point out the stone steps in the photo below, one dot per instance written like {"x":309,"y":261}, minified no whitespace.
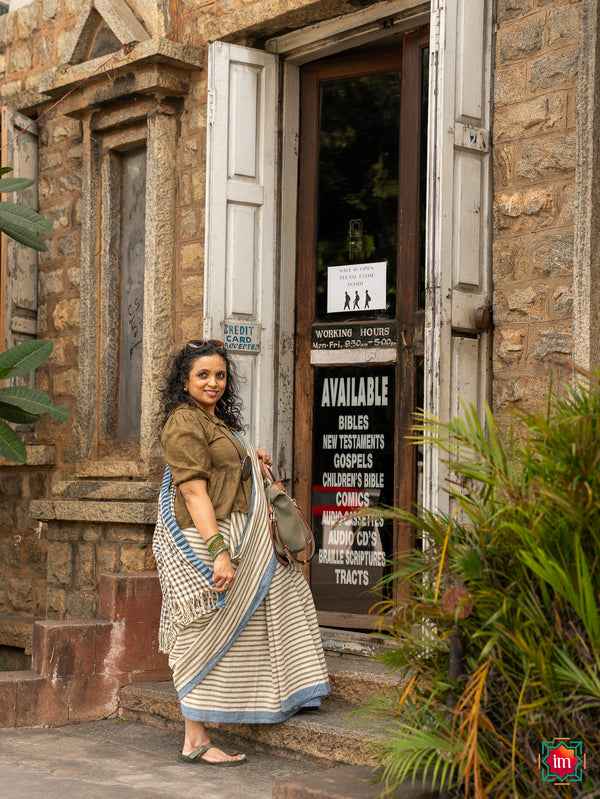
{"x":323,"y":737}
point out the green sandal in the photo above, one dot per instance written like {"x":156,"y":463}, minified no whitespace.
{"x":197,"y":756}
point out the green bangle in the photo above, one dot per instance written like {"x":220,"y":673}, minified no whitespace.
{"x":218,"y":552}
{"x":214,"y":541}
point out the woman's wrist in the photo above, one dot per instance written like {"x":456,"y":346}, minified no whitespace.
{"x":220,"y":552}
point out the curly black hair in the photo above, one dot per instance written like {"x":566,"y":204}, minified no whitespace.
{"x":173,"y":393}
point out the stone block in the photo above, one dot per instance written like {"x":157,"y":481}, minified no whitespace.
{"x":8,"y":700}
{"x":191,"y":257}
{"x":530,"y":118}
{"x":10,"y":552}
{"x":60,"y":562}
{"x":50,"y":160}
{"x":67,"y":245}
{"x":546,"y":159}
{"x":552,"y":342}
{"x":191,"y":290}
{"x":190,"y":326}
{"x":553,"y":254}
{"x":45,"y":52}
{"x":155,"y":675}
{"x":18,"y":594}
{"x":108,"y":558}
{"x":56,"y":602}
{"x":554,"y":71}
{"x":66,"y":314}
{"x":528,"y":392}
{"x":130,"y":597}
{"x":510,"y":260}
{"x":190,"y":227}
{"x":563,"y":24}
{"x":199,"y":186}
{"x":510,"y":346}
{"x":46,"y":189}
{"x":50,"y":282}
{"x":64,"y":648}
{"x":83,"y":605}
{"x":185,"y":189}
{"x":28,"y":20}
{"x":191,"y":154}
{"x":20,"y":59}
{"x":520,"y":39}
{"x":36,"y":554}
{"x":511,"y":9}
{"x":84,"y":565}
{"x":520,"y":211}
{"x":95,"y":696}
{"x":567,"y":203}
{"x":140,"y":651}
{"x":138,"y":558}
{"x":562,"y":300}
{"x":504,"y":159}
{"x":50,"y":8}
{"x":40,"y":702}
{"x":520,"y":301}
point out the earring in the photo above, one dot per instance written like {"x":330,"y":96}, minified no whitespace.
{"x":185,"y":389}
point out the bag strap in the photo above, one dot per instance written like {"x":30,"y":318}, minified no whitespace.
{"x":267,"y":474}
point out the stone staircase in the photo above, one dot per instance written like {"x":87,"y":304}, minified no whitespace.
{"x":324,"y":736}
{"x":344,"y":753}
{"x":83,"y":670}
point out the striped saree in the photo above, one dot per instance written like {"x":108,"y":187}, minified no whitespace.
{"x":253,"y":655}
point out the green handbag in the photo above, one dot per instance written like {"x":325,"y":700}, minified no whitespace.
{"x":290,"y":532}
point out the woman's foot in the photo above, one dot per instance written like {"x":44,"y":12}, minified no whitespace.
{"x":211,"y":755}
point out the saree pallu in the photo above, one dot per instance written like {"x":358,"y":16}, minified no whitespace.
{"x":254,"y":654}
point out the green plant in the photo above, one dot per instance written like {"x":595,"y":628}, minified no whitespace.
{"x":17,"y":221}
{"x":511,"y":581}
{"x":20,"y":404}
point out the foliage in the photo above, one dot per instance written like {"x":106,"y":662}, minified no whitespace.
{"x":521,"y":548}
{"x":20,"y":404}
{"x":17,"y":221}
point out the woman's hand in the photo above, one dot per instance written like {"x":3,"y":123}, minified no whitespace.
{"x":223,"y":573}
{"x":262,"y":456}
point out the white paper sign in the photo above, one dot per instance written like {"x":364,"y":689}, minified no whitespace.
{"x":356,"y":287}
{"x":242,"y":336}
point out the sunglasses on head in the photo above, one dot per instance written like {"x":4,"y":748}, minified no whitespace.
{"x":197,"y":344}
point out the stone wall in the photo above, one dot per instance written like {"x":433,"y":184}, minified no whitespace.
{"x":535,"y":152}
{"x":50,"y":564}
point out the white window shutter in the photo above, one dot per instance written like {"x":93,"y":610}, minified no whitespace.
{"x":241,"y":200}
{"x":19,"y":263}
{"x":459,"y":218}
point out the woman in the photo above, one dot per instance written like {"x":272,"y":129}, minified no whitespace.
{"x":240,"y":629}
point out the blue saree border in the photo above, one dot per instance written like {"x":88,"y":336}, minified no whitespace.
{"x":304,"y":699}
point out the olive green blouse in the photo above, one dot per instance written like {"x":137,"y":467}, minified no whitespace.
{"x":200,"y":447}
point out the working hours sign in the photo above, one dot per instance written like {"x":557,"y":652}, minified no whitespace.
{"x":353,"y":468}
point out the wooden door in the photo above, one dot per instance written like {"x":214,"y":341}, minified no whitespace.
{"x":359,"y":312}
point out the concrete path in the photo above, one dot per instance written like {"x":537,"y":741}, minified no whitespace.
{"x":115,"y":759}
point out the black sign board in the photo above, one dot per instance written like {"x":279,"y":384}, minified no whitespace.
{"x":353,"y":467}
{"x":353,"y":335}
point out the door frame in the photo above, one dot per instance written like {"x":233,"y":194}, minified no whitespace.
{"x":295,"y":49}
{"x":406,"y":57}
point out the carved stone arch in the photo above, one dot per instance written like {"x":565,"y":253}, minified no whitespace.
{"x":103,"y":24}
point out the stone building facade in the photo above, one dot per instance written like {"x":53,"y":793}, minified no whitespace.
{"x":126,"y":142}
